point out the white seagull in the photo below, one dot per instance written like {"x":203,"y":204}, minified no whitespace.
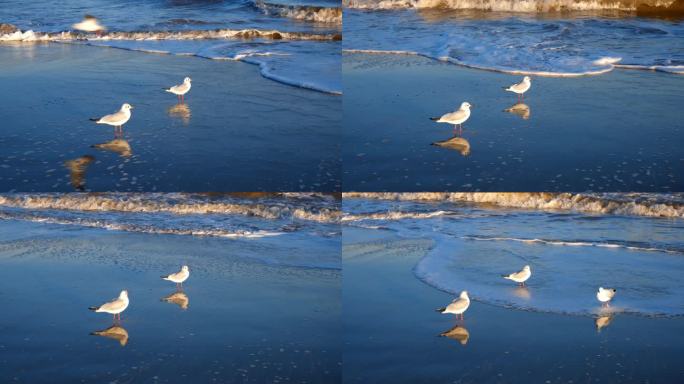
{"x":89,"y":24}
{"x":457,"y":306}
{"x":116,"y":119}
{"x":181,"y":89}
{"x":604,"y":295}
{"x":521,"y":276}
{"x":457,"y":117}
{"x":178,"y":277}
{"x":114,"y":307}
{"x":521,"y":87}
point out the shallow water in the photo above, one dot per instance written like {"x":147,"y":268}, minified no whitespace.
{"x":195,"y":27}
{"x":613,"y":132}
{"x":392,"y":331}
{"x":538,"y":44}
{"x":253,"y":310}
{"x":571,"y":254}
{"x":217,"y":140}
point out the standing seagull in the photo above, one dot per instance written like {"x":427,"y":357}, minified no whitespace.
{"x":457,"y":306}
{"x":521,"y":276}
{"x":115,"y":307}
{"x":181,"y":89}
{"x":89,"y":24}
{"x":521,"y":87}
{"x":604,"y":295}
{"x":178,"y":277}
{"x":457,"y":117}
{"x":117,"y":119}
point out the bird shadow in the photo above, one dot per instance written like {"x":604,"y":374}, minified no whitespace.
{"x":179,"y":298}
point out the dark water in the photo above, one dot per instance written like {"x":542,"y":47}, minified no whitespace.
{"x":392,"y":332}
{"x":615,"y":132}
{"x":240,"y":321}
{"x":236,"y":131}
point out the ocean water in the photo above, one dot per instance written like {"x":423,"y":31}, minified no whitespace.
{"x":261,"y":304}
{"x":539,"y":38}
{"x":293,"y":42}
{"x":573,"y":243}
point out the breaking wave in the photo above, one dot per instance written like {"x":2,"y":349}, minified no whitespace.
{"x":307,"y":209}
{"x":566,"y":243}
{"x":66,"y":36}
{"x":652,"y":205}
{"x":301,"y":12}
{"x":507,"y":5}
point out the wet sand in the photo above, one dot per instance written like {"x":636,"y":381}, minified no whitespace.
{"x":613,"y":132}
{"x":240,"y":320}
{"x":392,"y":331}
{"x":237,"y":130}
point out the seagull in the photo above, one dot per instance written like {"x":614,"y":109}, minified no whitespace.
{"x":521,"y":87}
{"x":178,"y":277}
{"x":181,"y":89}
{"x":117,"y":119}
{"x":115,"y":332}
{"x":457,"y":306}
{"x":89,"y":24}
{"x":521,"y":276}
{"x":604,"y":295}
{"x":115,"y":307}
{"x":457,"y":117}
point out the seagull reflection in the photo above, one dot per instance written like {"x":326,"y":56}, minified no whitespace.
{"x":119,"y":146}
{"x":77,"y":170}
{"x":181,"y":111}
{"x":602,"y":322}
{"x":522,"y":292}
{"x":458,"y":333}
{"x":459,"y":144}
{"x":115,"y":332}
{"x":179,"y":298}
{"x":520,"y":109}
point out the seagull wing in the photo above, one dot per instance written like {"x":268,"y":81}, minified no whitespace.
{"x":113,"y":118}
{"x":453,"y":116}
{"x":458,"y":305}
{"x":114,"y":305}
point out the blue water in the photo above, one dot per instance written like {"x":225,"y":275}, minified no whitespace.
{"x":538,"y":44}
{"x":308,"y":64}
{"x":571,"y":252}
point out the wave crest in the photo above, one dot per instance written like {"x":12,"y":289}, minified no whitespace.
{"x":508,"y":5}
{"x":33,"y":36}
{"x":301,"y":12}
{"x":155,"y":203}
{"x":653,"y":205}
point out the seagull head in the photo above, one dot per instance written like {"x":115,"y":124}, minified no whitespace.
{"x":527,"y":79}
{"x":126,"y":107}
{"x":185,"y":268}
{"x":187,"y":80}
{"x":527,"y":267}
{"x":123,"y":294}
{"x":465,"y":105}
{"x":464,"y":295}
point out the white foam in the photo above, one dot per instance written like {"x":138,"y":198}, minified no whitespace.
{"x":302,"y":12}
{"x":529,"y":6}
{"x":653,"y":205}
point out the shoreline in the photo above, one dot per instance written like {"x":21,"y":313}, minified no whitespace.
{"x":393,"y":331}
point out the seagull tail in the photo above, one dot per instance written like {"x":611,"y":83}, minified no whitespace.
{"x":506,"y":276}
{"x":165,"y":277}
{"x":435,"y":118}
{"x":93,"y":119}
{"x":440,"y":310}
{"x":93,"y":308}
